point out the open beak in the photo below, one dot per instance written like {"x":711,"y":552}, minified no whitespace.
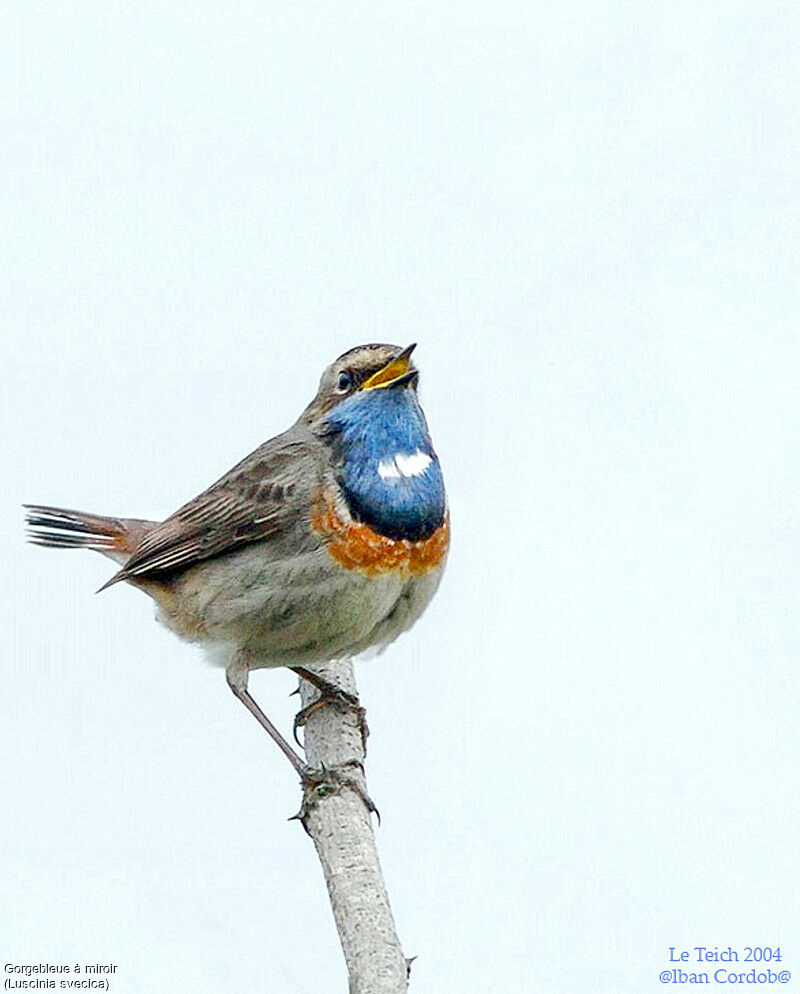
{"x":395,"y":373}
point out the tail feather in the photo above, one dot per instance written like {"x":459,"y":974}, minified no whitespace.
{"x":60,"y":528}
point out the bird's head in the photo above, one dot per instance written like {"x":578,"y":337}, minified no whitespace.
{"x":357,"y":373}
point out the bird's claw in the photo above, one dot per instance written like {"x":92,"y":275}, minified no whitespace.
{"x":319,"y":783}
{"x":338,"y":698}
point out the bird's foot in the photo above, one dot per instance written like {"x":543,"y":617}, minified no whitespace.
{"x":319,"y":783}
{"x":329,"y":694}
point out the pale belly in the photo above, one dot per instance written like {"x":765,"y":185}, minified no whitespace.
{"x":291,"y":612}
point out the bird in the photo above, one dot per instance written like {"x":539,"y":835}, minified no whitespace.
{"x":328,"y":540}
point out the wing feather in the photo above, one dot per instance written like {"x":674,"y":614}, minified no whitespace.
{"x":259,"y":499}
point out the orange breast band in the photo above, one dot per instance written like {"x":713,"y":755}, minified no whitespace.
{"x":357,"y":546}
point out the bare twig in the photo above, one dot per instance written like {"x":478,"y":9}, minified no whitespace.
{"x":336,"y":814}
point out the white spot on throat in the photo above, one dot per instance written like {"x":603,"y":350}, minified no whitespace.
{"x":401,"y":464}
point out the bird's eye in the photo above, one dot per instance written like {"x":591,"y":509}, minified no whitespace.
{"x":345,"y":381}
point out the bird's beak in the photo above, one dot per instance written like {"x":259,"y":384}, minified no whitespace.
{"x":395,"y":373}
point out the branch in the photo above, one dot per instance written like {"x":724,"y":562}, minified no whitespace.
{"x":335,"y":814}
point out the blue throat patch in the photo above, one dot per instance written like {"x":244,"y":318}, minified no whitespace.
{"x":401,"y":498}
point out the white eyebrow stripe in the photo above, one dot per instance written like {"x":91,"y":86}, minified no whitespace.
{"x":414,"y":464}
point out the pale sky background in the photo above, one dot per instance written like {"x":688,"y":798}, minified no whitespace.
{"x":587,"y":215}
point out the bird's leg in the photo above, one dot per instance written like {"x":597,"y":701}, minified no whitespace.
{"x":329,"y":694}
{"x":236,"y":674}
{"x":317,"y":784}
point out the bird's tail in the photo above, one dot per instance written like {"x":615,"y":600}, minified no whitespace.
{"x":59,"y":528}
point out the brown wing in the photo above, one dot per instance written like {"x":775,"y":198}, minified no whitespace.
{"x":259,"y":499}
